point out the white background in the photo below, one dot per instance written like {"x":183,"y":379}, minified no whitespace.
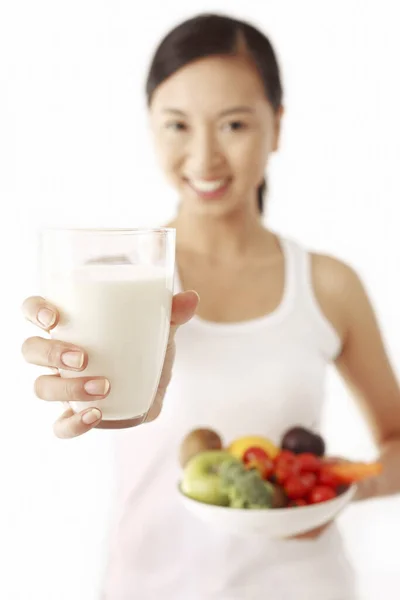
{"x":75,"y":150}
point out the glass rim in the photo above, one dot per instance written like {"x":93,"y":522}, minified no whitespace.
{"x":108,"y":230}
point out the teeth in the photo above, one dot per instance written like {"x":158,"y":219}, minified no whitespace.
{"x":208,"y":186}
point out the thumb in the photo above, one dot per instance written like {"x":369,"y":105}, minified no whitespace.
{"x":184,"y":306}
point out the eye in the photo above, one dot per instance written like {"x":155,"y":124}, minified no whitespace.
{"x":177,"y":126}
{"x":235,"y":126}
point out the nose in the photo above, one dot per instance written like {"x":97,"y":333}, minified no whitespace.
{"x":204,"y":152}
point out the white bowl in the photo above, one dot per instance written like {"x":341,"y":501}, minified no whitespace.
{"x":272,"y":523}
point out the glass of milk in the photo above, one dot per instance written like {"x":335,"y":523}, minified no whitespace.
{"x":113,"y":288}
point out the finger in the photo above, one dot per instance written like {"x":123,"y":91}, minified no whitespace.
{"x":184,"y":306}
{"x":54,"y":354}
{"x":71,"y":425}
{"x":313,"y":534}
{"x":40,"y":312}
{"x":78,"y":389}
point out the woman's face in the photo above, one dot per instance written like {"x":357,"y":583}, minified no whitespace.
{"x":214,"y":130}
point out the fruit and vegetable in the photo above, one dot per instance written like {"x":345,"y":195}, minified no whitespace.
{"x":196,"y":441}
{"x":252,"y":472}
{"x":244,"y":487}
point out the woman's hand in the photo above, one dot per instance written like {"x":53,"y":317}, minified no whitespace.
{"x":57,"y":354}
{"x":314,"y":533}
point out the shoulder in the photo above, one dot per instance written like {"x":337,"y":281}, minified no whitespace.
{"x":333,"y":275}
{"x":338,"y":289}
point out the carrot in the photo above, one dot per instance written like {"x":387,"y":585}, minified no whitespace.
{"x":351,"y":472}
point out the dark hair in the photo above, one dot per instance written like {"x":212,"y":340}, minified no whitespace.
{"x":212,"y":35}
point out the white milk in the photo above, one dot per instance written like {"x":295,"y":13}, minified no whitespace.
{"x":120,"y":314}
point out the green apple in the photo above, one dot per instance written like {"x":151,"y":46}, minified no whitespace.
{"x":201,"y":480}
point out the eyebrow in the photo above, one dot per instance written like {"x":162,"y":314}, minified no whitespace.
{"x":224,"y":113}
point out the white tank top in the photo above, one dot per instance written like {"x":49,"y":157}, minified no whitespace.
{"x":256,"y":377}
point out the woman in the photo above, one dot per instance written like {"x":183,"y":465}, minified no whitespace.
{"x":272,"y":317}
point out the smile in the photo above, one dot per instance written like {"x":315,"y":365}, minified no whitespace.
{"x":209,"y":190}
{"x":202,"y":186}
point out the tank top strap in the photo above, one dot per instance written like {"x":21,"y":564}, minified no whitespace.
{"x":305,"y":304}
{"x":298,"y":270}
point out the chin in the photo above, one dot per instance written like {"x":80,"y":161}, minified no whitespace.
{"x":213,"y":207}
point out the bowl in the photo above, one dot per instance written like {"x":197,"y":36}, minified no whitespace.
{"x":274,"y":523}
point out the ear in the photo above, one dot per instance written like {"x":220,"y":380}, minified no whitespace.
{"x":278,"y":125}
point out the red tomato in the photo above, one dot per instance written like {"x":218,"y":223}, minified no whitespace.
{"x":265,"y":466}
{"x":294,"y":487}
{"x":285,"y":465}
{"x":254,"y":453}
{"x":309,"y":480}
{"x":299,"y":486}
{"x":298,"y":502}
{"x":327,"y":478}
{"x":321,"y":493}
{"x":309,"y":463}
{"x":285,"y":455}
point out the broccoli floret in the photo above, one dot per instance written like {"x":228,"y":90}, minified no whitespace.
{"x":250,"y":491}
{"x":230,"y":471}
{"x":245,"y":488}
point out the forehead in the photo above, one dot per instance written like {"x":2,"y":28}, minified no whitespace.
{"x":210,"y":84}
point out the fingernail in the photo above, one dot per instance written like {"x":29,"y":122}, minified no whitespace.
{"x":97,"y":387}
{"x":91,"y":416}
{"x":46,"y":317}
{"x":72,"y":359}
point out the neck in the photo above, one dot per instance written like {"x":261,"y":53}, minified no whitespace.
{"x":225,"y":238}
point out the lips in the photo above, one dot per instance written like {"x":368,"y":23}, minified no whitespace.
{"x":209,"y":189}
{"x":203,"y":186}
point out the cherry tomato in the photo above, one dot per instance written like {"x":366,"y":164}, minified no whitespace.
{"x":327,"y":478}
{"x":285,"y":455}
{"x":299,"y":486}
{"x":294,"y":487}
{"x":254,"y":453}
{"x":309,"y":480}
{"x":309,"y":463}
{"x":285,"y":465}
{"x":264,"y":466}
{"x":321,"y":493}
{"x":298,"y":502}
{"x":282,"y":473}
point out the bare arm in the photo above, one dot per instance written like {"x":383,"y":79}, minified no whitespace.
{"x":364,"y":365}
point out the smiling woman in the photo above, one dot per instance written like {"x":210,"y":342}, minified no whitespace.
{"x":203,"y":120}
{"x":215,"y":151}
{"x":253,"y":361}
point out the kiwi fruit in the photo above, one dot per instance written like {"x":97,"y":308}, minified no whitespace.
{"x":196,"y":441}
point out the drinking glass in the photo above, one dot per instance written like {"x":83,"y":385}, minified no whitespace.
{"x":113,"y":289}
